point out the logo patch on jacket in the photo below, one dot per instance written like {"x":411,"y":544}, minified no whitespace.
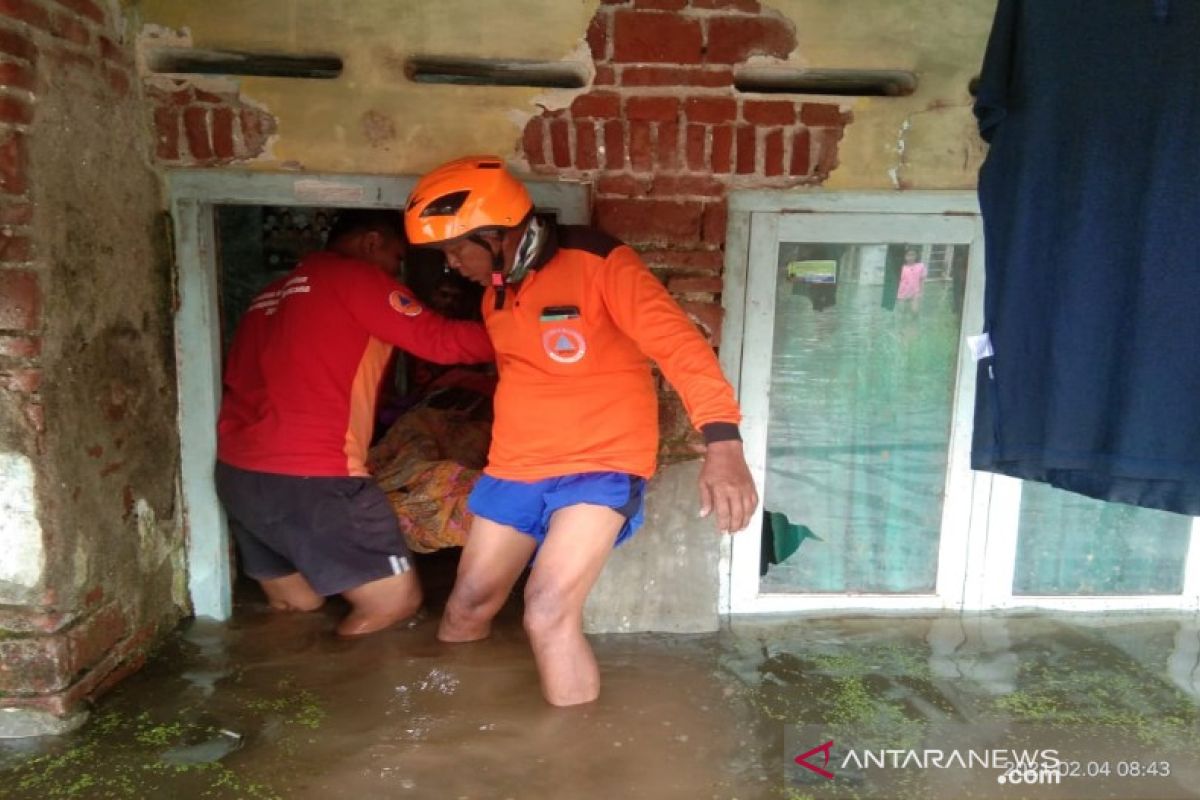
{"x":404,"y":304}
{"x":564,"y":345}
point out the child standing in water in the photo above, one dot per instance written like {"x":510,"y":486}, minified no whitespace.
{"x":912,"y":281}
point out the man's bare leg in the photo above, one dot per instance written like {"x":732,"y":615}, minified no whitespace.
{"x":491,"y":562}
{"x":577,"y":545}
{"x":291,"y":593}
{"x":381,"y":603}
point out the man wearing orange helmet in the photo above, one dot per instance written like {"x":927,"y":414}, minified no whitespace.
{"x":575,"y":317}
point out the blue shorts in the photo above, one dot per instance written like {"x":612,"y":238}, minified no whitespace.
{"x":529,"y":506}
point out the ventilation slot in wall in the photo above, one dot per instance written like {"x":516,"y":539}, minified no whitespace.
{"x":845,"y":82}
{"x":232,"y":62}
{"x":497,"y":72}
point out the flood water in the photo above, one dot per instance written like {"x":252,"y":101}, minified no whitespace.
{"x":274,"y":706}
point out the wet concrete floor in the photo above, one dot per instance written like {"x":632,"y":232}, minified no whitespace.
{"x":274,"y":706}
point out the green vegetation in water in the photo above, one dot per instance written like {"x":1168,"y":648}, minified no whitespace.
{"x":1113,"y":693}
{"x":121,"y":757}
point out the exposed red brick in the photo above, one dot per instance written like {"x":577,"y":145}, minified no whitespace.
{"x":195,"y":126}
{"x":597,"y":35}
{"x":20,"y":300}
{"x":166,"y":126}
{"x":26,"y":381}
{"x":667,"y":137}
{"x":182,"y":97}
{"x":714,"y":222}
{"x":748,"y":6}
{"x":606,"y":105}
{"x":708,"y":317}
{"x":210,"y":97}
{"x":655,"y":37}
{"x":769,"y":112}
{"x":16,"y":213}
{"x":34,"y":620}
{"x":112,"y":51}
{"x":722,"y":149}
{"x":533,"y":142}
{"x":660,"y":5}
{"x":25,"y":11}
{"x":614,"y":144}
{"x":816,"y":115}
{"x":17,"y":44}
{"x":711,"y":261}
{"x":801,"y":153}
{"x":686,"y":285}
{"x":222,"y":132}
{"x":710,"y":109}
{"x":605,"y":76}
{"x":641,"y":146}
{"x":746,"y":135}
{"x":257,"y":126}
{"x":621,"y":185}
{"x":693,"y":185}
{"x":85,"y":7}
{"x":15,"y":249}
{"x":33,"y":664}
{"x":35,"y":413}
{"x":650,"y":221}
{"x":67,"y":27}
{"x":585,"y":145}
{"x":773,"y":153}
{"x":697,"y":139}
{"x":92,"y":638}
{"x":652,"y":108}
{"x":118,"y":79}
{"x":560,"y":142}
{"x":12,"y":163}
{"x":16,"y":75}
{"x":677,"y":76}
{"x":731,"y":40}
{"x":15,"y":110}
{"x":827,"y":151}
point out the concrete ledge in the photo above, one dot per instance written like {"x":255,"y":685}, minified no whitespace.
{"x":665,"y":578}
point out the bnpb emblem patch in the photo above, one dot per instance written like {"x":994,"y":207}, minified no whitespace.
{"x":564,"y":345}
{"x":406,"y":305}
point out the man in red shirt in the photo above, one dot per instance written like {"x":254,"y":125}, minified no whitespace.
{"x":300,"y":387}
{"x":575,"y":317}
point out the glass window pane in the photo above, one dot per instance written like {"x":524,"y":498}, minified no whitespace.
{"x":862,"y":382}
{"x":1069,"y":544}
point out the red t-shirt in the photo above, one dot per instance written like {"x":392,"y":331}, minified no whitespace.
{"x":303,"y":373}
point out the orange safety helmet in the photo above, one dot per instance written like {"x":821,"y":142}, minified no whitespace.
{"x":462,"y":197}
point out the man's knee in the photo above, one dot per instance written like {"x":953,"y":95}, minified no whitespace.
{"x":548,"y":611}
{"x":473,"y":598}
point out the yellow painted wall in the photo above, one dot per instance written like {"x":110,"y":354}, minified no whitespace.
{"x":374,"y":120}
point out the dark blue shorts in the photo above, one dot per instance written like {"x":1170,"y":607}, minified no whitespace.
{"x":339,"y":533}
{"x":529,"y":506}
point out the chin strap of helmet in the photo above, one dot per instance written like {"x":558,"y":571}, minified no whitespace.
{"x":497,"y":266}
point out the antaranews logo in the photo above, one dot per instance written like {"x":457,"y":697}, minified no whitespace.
{"x":802,"y":759}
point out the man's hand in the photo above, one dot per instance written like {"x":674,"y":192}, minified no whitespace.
{"x":726,"y":486}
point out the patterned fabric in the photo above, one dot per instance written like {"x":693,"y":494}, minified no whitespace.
{"x":427,"y":464}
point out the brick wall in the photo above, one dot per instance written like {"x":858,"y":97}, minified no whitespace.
{"x":84,"y":318}
{"x":197,"y":127}
{"x":663,"y":135}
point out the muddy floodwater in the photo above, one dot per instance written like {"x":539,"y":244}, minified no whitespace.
{"x":271,"y":706}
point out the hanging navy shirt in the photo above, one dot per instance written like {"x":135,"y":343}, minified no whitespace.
{"x":1090,"y":196}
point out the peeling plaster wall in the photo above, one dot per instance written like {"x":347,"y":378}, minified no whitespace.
{"x":373,"y":119}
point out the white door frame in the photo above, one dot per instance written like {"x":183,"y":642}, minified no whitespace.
{"x":978,"y":546}
{"x":193,"y":195}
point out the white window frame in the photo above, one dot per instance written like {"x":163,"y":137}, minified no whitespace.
{"x":978,"y":546}
{"x":193,"y":194}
